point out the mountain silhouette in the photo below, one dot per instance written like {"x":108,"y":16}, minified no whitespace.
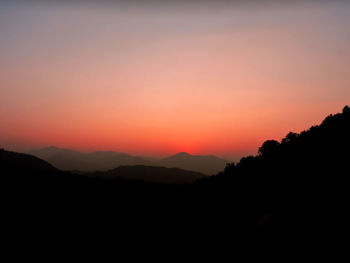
{"x":66,"y":159}
{"x":20,"y":163}
{"x":70,"y":160}
{"x":289,"y":201}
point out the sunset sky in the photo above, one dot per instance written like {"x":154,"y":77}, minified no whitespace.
{"x":160,"y":77}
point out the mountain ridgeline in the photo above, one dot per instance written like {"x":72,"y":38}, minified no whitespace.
{"x":290,"y":200}
{"x":66,"y":159}
{"x":25,"y":164}
{"x":69,"y":160}
{"x":151,"y":174}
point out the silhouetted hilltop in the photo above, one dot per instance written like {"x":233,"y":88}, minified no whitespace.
{"x":208,"y":164}
{"x":152,"y":174}
{"x":320,"y":149}
{"x":12,"y":162}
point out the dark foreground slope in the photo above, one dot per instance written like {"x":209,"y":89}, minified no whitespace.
{"x":290,"y":201}
{"x":20,"y":163}
{"x":297,"y":189}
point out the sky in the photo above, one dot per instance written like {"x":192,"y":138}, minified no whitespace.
{"x":160,"y":77}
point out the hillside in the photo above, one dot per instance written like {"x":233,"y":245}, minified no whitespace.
{"x":299,"y":186}
{"x":20,"y":163}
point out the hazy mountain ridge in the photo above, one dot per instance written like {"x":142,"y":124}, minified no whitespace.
{"x":151,"y":174}
{"x":208,"y":164}
{"x":66,"y":159}
{"x":19,"y":163}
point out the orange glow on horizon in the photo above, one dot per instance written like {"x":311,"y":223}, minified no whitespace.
{"x":155,"y":83}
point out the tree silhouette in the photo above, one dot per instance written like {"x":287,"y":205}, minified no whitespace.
{"x":269,"y":148}
{"x":291,"y":136}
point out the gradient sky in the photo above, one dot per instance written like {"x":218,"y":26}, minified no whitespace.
{"x":157,"y":77}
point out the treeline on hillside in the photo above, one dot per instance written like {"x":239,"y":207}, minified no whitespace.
{"x":310,"y":168}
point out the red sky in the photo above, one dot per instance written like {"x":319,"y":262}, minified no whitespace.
{"x":156,"y":80}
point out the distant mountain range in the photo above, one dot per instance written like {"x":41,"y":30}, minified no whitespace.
{"x":151,"y":174}
{"x":66,"y":159}
{"x":13,"y":163}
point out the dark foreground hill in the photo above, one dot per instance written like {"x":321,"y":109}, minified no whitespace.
{"x":19,"y":163}
{"x":287,"y":203}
